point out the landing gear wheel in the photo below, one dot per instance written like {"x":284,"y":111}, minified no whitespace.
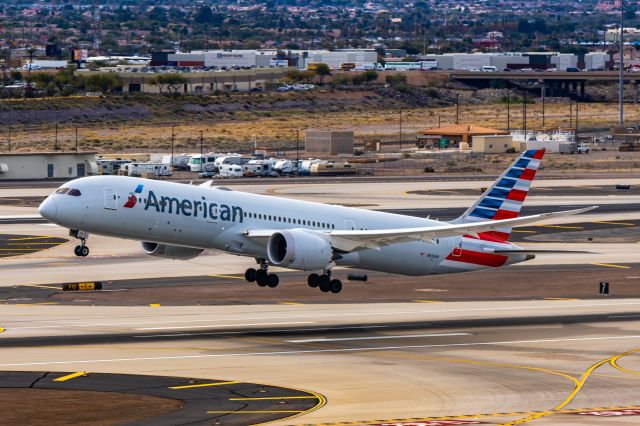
{"x":335,"y":286}
{"x":261,"y":277}
{"x":77,"y":250}
{"x":84,"y":251}
{"x":325,"y":285}
{"x":273,"y":280}
{"x":250,"y":275}
{"x":313,"y":280}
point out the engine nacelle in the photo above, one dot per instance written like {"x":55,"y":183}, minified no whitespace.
{"x":299,"y":249}
{"x":170,"y":252}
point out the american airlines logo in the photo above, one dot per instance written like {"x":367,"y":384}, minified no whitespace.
{"x":196,"y":208}
{"x":133,"y":197}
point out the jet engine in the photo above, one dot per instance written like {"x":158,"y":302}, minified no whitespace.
{"x":299,"y":249}
{"x":169,"y":251}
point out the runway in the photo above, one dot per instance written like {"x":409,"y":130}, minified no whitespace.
{"x":534,"y":343}
{"x":543,"y":360}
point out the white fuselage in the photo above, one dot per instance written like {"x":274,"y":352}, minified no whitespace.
{"x":214,"y":218}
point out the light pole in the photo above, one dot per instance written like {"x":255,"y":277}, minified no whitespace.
{"x":76,"y":139}
{"x":201,"y":152}
{"x":570,"y":113}
{"x":297,"y":149}
{"x":55,"y":143}
{"x":457,"y":107}
{"x":621,"y":76}
{"x":508,"y":111}
{"x":524,"y":115}
{"x":173,"y":137}
{"x":400,"y":141}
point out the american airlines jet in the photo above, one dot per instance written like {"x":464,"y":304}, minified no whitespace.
{"x":180,"y":221}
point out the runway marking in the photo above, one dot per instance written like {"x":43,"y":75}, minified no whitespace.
{"x":33,"y":244}
{"x":291,"y":303}
{"x":319,"y":351}
{"x":473,"y":416}
{"x":611,"y":265}
{"x":281,"y":330}
{"x":204,"y":385}
{"x":347,"y":339}
{"x":615,"y":223}
{"x":577,"y":388}
{"x":70,"y":376}
{"x":560,"y":226}
{"x":426,"y":301}
{"x":560,"y":298}
{"x":225,"y":325}
{"x":31,"y":238}
{"x":272,"y":398}
{"x":353,"y":314}
{"x":154,"y":305}
{"x":256,"y":412}
{"x":238,"y":277}
{"x":2,"y":330}
{"x":40,"y":286}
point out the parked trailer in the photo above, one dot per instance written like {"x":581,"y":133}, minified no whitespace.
{"x":333,"y":169}
{"x":146,"y":169}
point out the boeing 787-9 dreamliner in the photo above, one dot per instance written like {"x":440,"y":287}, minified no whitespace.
{"x":180,"y":221}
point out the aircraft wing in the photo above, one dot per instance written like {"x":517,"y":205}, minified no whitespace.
{"x":351,"y":240}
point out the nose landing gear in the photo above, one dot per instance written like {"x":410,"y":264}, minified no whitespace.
{"x":80,"y":250}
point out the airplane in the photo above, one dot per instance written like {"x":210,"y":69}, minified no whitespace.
{"x":180,"y":221}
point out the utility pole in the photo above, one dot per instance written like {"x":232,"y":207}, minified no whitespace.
{"x":457,"y":107}
{"x":524,"y":115}
{"x":577,"y":119}
{"x":297,"y":149}
{"x":508,"y":111}
{"x":76,"y":139}
{"x":55,"y":143}
{"x":621,"y":78}
{"x":201,"y":152}
{"x":543,"y":102}
{"x":570,"y":113}
{"x":173,"y":139}
{"x":400,"y":129}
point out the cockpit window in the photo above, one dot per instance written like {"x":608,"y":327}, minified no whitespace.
{"x":62,"y":190}
{"x":74,"y":192}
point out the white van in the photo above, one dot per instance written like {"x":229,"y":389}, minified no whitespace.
{"x":230,"y":170}
{"x":202,"y":162}
{"x":489,"y":68}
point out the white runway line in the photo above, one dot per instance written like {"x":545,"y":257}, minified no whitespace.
{"x":315,"y":351}
{"x":399,"y":336}
{"x":225,"y":325}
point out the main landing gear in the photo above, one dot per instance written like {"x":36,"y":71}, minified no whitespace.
{"x":324,"y":282}
{"x":80,"y":250}
{"x":262,"y":276}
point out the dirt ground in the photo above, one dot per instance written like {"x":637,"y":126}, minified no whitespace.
{"x":245,"y":123}
{"x":68,"y":407}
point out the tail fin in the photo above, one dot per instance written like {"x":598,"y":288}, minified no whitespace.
{"x":503,"y":200}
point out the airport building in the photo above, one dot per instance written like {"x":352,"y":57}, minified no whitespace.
{"x":518,"y":60}
{"x":47,"y":165}
{"x":328,"y":142}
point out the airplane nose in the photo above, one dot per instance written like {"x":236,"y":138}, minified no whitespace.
{"x":48,"y":208}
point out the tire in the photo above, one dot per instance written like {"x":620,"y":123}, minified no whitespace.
{"x":76,"y":250}
{"x":84,"y":251}
{"x":325,"y":286}
{"x":250,"y":275}
{"x":273,"y":280}
{"x":313,"y":280}
{"x":336,"y":286}
{"x":261,"y":278}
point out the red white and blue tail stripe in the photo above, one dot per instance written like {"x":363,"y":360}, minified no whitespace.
{"x":503,"y":200}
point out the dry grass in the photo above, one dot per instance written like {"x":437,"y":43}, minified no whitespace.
{"x":278,"y":128}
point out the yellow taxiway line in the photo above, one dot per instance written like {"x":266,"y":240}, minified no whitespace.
{"x":70,"y":376}
{"x":273,"y":398}
{"x":203,"y":385}
{"x":611,"y":265}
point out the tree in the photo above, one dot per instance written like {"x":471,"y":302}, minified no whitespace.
{"x":173,"y":82}
{"x":204,"y":15}
{"x":322,"y":70}
{"x":370,"y":76}
{"x":103,"y":82}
